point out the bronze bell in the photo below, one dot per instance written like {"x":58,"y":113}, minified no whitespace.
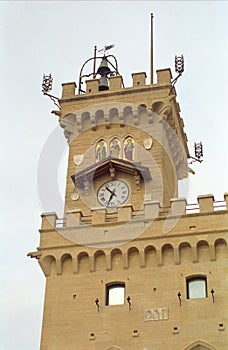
{"x":103,"y":83}
{"x":104,"y":69}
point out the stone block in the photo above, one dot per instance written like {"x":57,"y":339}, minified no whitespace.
{"x":48,"y":220}
{"x":151,"y":209}
{"x":178,"y":206}
{"x":115,"y":83}
{"x":68,"y":90}
{"x":98,"y":216}
{"x":125,"y":213}
{"x":92,"y":86}
{"x":73,"y":218}
{"x":206,"y":203}
{"x":164,"y":76}
{"x":139,"y":79}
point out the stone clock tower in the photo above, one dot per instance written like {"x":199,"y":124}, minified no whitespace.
{"x":129,"y":267}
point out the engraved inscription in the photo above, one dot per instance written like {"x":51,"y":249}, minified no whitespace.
{"x":157,"y":314}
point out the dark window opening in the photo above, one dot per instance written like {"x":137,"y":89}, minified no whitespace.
{"x":196,"y":287}
{"x":115,"y":294}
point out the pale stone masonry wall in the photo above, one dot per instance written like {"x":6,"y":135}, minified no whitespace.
{"x":151,"y":245}
{"x":154,"y":268}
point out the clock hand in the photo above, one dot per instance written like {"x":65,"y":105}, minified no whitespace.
{"x":112,"y":192}
{"x":108,"y":189}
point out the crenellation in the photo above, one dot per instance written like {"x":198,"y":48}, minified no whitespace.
{"x":125,"y":213}
{"x":48,"y":220}
{"x":115,"y":83}
{"x":164,"y":76}
{"x":98,"y":216}
{"x":139,"y":79}
{"x":178,"y":206}
{"x":68,"y":90}
{"x":206,"y":203}
{"x":92,"y":86}
{"x":151,"y":210}
{"x":226,"y":199}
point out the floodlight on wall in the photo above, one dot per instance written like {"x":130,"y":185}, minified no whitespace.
{"x":179,"y":297}
{"x":129,"y":302}
{"x":212,"y":294}
{"x":198,"y":147}
{"x":179,"y":68}
{"x":47,"y":87}
{"x":179,"y":64}
{"x":97,"y":303}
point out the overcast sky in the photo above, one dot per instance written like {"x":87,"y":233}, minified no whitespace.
{"x":57,"y":37}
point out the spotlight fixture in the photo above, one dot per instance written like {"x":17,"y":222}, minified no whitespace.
{"x":198,"y":146}
{"x":47,"y":87}
{"x":179,"y":297}
{"x":129,"y":302}
{"x":97,"y":303}
{"x":179,"y":68}
{"x":212,"y":294}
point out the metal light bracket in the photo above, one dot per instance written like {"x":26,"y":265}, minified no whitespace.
{"x":179,"y":68}
{"x":47,"y":86}
{"x":198,"y":153}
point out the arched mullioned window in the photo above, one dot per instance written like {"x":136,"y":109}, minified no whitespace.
{"x":196,"y":287}
{"x":101,"y":150}
{"x":115,"y":293}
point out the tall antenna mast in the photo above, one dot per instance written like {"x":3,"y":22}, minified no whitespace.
{"x":151,"y":49}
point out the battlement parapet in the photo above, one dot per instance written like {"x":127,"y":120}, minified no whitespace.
{"x":151,"y":211}
{"x":164,"y":77}
{"x":196,"y":227}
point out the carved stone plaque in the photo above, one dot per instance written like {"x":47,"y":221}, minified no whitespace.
{"x":156,"y":314}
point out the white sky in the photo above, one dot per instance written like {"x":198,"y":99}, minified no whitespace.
{"x":57,"y":37}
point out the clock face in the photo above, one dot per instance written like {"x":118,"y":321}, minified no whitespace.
{"x":113,"y":193}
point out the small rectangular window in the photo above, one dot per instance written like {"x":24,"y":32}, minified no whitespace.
{"x":196,"y":287}
{"x":115,"y":294}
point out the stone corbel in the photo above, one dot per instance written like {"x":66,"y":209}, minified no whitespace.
{"x":135,"y":118}
{"x":121,"y":119}
{"x":125,"y":261}
{"x":108,"y":262}
{"x":92,"y":264}
{"x":112,"y":171}
{"x":93,"y":122}
{"x":75,"y":266}
{"x":35,"y":255}
{"x":86,"y":186}
{"x":79,"y":123}
{"x":137,"y":181}
{"x":212,"y":252}
{"x":68,"y":123}
{"x":58,"y":267}
{"x":150,"y":116}
{"x":107,"y":119}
